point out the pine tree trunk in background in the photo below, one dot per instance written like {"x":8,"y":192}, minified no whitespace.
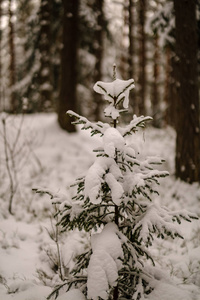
{"x":131,"y":40}
{"x":187,"y":127}
{"x":44,"y":76}
{"x":131,"y":52}
{"x":142,"y":58}
{"x":56,"y":31}
{"x":170,"y":95}
{"x":67,"y":97}
{"x":12,"y":77}
{"x":24,"y":11}
{"x":99,"y":4}
{"x":167,"y":85}
{"x":123,"y":64}
{"x":155,"y":90}
{"x":1,"y":101}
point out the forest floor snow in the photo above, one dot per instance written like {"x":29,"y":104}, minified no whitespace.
{"x":53,"y":159}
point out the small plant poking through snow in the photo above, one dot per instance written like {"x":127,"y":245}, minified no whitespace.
{"x":113,"y":202}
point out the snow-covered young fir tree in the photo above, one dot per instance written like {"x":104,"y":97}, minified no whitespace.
{"x":113,"y":202}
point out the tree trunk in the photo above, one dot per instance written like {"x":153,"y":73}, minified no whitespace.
{"x":116,"y":288}
{"x":44,"y":76}
{"x":142,"y":58}
{"x":170,"y":95}
{"x":98,"y":54}
{"x":187,"y":127}
{"x":131,"y":52}
{"x":67,"y":97}
{"x":123,"y":63}
{"x":167,"y":84}
{"x":13,"y":99}
{"x":1,"y":101}
{"x":155,"y":89}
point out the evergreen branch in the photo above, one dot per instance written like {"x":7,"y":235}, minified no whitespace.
{"x":160,"y":221}
{"x":96,"y":128}
{"x":125,"y":89}
{"x":183,"y":214}
{"x":56,"y":291}
{"x":69,"y":282}
{"x":43,"y":191}
{"x":124,"y":164}
{"x":57,"y":197}
{"x":82,"y":262}
{"x":105,"y":91}
{"x":152,"y":174}
{"x":132,"y":127}
{"x":121,"y":111}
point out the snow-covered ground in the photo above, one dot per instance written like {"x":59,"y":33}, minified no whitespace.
{"x":52,"y":158}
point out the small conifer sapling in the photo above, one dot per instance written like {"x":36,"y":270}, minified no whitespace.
{"x":113,"y":202}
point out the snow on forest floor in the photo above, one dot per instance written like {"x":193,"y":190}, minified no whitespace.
{"x":52,"y":158}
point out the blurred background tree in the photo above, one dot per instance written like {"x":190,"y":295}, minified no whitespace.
{"x":68,"y":81}
{"x":187,"y":124}
{"x":52,"y":53}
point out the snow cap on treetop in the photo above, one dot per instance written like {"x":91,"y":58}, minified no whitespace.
{"x":115,"y":91}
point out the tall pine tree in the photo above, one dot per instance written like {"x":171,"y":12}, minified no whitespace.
{"x":187,"y":125}
{"x":67,"y":97}
{"x":44,"y":45}
{"x":12,"y":64}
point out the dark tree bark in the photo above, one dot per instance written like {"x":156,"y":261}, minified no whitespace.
{"x":142,"y":58}
{"x":12,"y":71}
{"x":155,"y":99}
{"x":123,"y":61}
{"x":187,"y":125}
{"x":170,"y":95}
{"x":131,"y":39}
{"x":67,"y":98}
{"x":44,"y":76}
{"x":131,"y":52}
{"x":1,"y":104}
{"x":167,"y":85}
{"x":99,"y":4}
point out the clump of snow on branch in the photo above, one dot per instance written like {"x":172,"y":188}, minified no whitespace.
{"x":93,"y":179}
{"x":113,"y":141}
{"x":74,"y":294}
{"x":115,"y":92}
{"x":104,"y":262}
{"x":103,"y":167}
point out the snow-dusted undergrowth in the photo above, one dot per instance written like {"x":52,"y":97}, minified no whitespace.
{"x":25,"y":242}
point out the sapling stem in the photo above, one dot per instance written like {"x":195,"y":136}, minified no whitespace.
{"x":12,"y":189}
{"x":115,"y":292}
{"x":56,"y":239}
{"x":114,"y":72}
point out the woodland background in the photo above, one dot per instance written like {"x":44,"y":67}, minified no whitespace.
{"x":52,"y":52}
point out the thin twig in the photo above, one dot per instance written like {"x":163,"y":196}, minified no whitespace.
{"x":12,"y":188}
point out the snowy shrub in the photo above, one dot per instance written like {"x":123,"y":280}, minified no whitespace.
{"x":114,"y":203}
{"x":17,"y":142}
